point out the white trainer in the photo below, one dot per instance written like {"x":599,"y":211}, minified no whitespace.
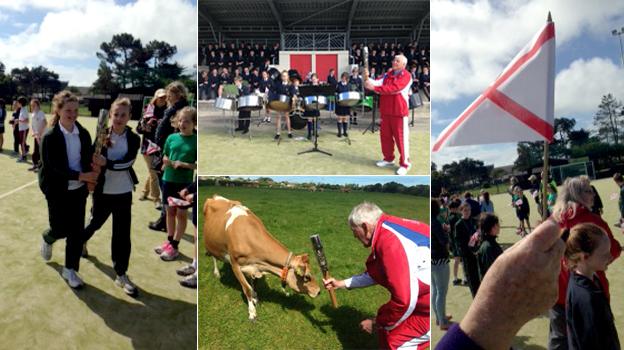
{"x":124,"y":282}
{"x":46,"y":250}
{"x":72,"y":278}
{"x":403,"y":170}
{"x":383,"y":164}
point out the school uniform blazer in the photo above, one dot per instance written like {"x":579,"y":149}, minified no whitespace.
{"x":123,"y":164}
{"x":55,"y":173}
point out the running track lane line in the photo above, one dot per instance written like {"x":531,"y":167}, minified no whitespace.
{"x":17,"y":189}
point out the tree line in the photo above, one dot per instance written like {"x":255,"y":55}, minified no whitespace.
{"x":601,"y":144}
{"x":265,"y":182}
{"x":125,"y":65}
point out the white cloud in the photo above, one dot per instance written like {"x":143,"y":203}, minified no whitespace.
{"x":579,"y":87}
{"x":498,"y":154}
{"x":473,"y":41}
{"x":73,"y":30}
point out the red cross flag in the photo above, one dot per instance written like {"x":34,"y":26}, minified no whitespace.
{"x":518,"y":106}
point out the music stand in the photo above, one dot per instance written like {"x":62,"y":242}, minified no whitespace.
{"x":315,"y":90}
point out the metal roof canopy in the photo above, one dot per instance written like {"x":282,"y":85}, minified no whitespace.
{"x":266,"y":19}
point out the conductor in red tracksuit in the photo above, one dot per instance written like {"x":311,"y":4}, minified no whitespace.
{"x":393,"y":89}
{"x":400,"y":262}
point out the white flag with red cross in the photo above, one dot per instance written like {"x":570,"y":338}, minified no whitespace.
{"x":518,"y":106}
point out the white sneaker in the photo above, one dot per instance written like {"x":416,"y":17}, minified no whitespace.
{"x":383,"y":164}
{"x":124,"y":282}
{"x":72,"y":278}
{"x":46,"y":250}
{"x":403,"y":170}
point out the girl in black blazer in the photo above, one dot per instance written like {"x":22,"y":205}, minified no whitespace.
{"x":113,"y":194}
{"x":66,"y":158}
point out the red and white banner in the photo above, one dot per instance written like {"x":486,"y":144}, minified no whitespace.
{"x":518,"y":106}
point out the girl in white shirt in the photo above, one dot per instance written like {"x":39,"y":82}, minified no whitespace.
{"x":38,"y":125}
{"x":22,"y":127}
{"x":113,"y":194}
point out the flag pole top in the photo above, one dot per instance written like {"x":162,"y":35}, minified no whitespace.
{"x":549,"y":17}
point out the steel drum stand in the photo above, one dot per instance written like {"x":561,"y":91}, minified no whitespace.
{"x":315,"y":148}
{"x":373,"y":125}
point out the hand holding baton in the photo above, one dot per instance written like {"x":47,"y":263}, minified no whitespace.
{"x":322,"y":261}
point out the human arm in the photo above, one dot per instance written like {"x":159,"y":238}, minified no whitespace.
{"x":395,"y":86}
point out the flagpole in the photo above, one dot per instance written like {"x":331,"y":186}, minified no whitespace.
{"x":545,"y":170}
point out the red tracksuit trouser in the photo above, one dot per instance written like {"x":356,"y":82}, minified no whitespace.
{"x":395,"y":131}
{"x":413,"y":333}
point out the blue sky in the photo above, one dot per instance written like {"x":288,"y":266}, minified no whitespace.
{"x":588,"y":62}
{"x":64,"y":35}
{"x":360,"y":180}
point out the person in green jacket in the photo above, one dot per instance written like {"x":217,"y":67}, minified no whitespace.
{"x":489,"y":250}
{"x":453,"y":217}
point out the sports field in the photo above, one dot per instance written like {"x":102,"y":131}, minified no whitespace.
{"x":297,"y":321}
{"x":258,"y":154}
{"x":534,"y":335}
{"x":39,"y":310}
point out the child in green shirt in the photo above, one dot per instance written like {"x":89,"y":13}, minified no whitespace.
{"x":179,"y":164}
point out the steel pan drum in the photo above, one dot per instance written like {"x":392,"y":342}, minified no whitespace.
{"x":250,"y":103}
{"x":348,"y":99}
{"x":280,"y":103}
{"x":313,"y":103}
{"x":367,"y":102}
{"x":226,"y":104}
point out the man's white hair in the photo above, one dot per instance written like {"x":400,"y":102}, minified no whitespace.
{"x":366,"y":212}
{"x":402,"y":58}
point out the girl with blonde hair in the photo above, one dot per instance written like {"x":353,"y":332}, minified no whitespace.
{"x":113,"y":194}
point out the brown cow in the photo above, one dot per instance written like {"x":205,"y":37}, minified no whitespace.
{"x":234,"y":234}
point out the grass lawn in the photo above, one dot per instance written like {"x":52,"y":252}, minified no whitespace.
{"x":258,"y":154}
{"x":39,"y":309}
{"x":534,"y":335}
{"x":297,"y":321}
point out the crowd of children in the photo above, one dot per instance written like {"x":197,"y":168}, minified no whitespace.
{"x":582,"y":317}
{"x":71,"y":166}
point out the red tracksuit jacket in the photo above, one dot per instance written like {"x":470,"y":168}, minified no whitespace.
{"x":394,"y":91}
{"x":400,"y":261}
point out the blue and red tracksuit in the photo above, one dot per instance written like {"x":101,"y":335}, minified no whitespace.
{"x":400,"y":261}
{"x":393,"y":89}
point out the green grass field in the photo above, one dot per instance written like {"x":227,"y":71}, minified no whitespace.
{"x":534,"y":335}
{"x":297,"y":321}
{"x":260,"y":155}
{"x":39,"y":309}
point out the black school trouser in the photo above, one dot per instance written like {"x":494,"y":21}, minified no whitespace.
{"x":471,"y":272}
{"x":119,"y":205}
{"x":16,"y":139}
{"x":66,"y":216}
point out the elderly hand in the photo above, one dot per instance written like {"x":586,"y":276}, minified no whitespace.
{"x":368,"y":325}
{"x":520,"y":285}
{"x":368,"y":84}
{"x":332,"y":283}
